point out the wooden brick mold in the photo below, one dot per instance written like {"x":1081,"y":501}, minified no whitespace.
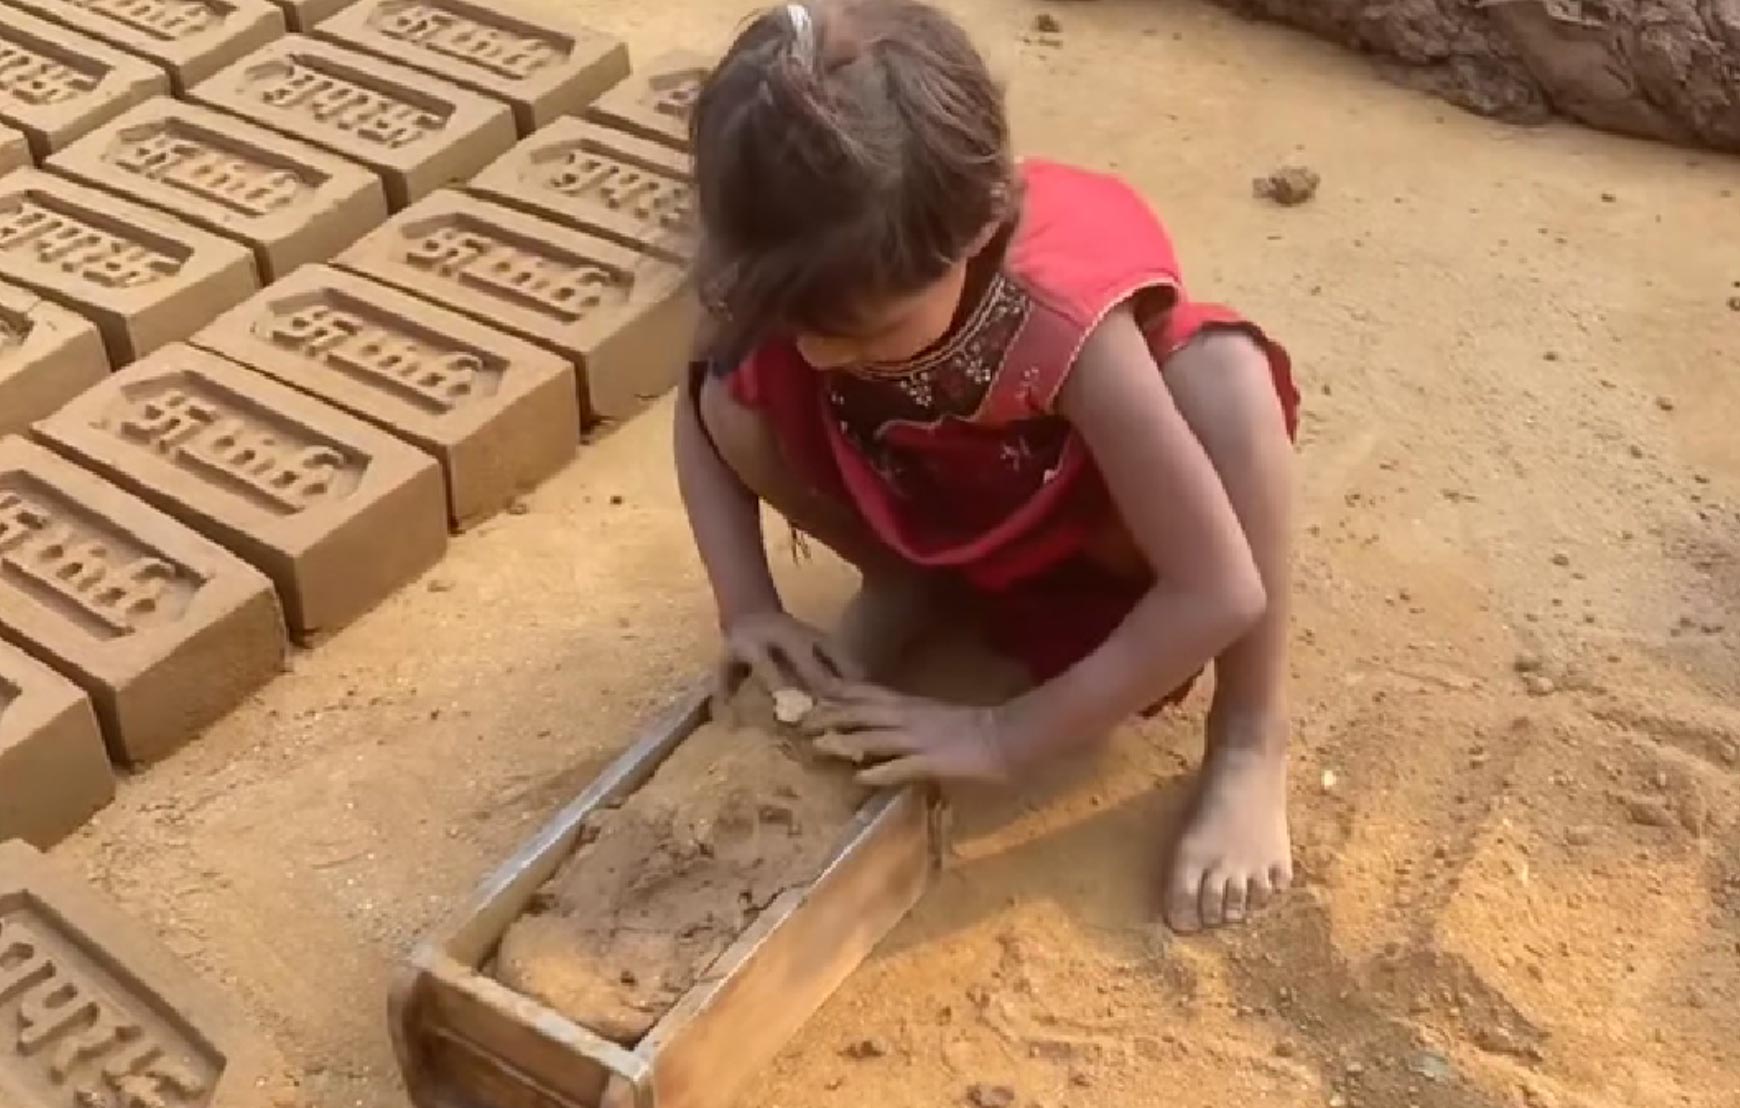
{"x":545,"y":66}
{"x":98,"y":1012}
{"x":625,"y":188}
{"x":463,"y":1038}
{"x":56,"y":85}
{"x":656,"y":102}
{"x":144,"y":278}
{"x":337,"y":513}
{"x":48,"y":355}
{"x":54,"y":772}
{"x":287,"y":201}
{"x":416,"y":131}
{"x":189,"y":39}
{"x":164,"y":629}
{"x":626,"y":319}
{"x":499,"y":414}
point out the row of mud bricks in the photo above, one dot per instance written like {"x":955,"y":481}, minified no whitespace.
{"x":288,"y":294}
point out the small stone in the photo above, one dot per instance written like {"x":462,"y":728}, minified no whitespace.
{"x":1540,"y":685}
{"x":1432,"y":1066}
{"x":1664,"y":403}
{"x":1527,"y":663}
{"x":1285,"y":1049}
{"x":1551,"y":355}
{"x":990,"y":1096}
{"x":616,"y":501}
{"x":1561,"y":559}
{"x":628,"y":978}
{"x":518,"y":507}
{"x":1047,"y":24}
{"x":1734,"y":303}
{"x":1288,"y":186}
{"x":1336,"y":1100}
{"x":1608,"y":198}
{"x":1354,"y":1069}
{"x":1648,"y":812}
{"x":790,"y":706}
{"x":1579,"y":836}
{"x":440,"y":584}
{"x":865,"y":1049}
{"x":1081,"y":1080}
{"x":1329,"y":780}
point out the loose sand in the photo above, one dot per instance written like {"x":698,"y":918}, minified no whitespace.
{"x":1507,"y":899}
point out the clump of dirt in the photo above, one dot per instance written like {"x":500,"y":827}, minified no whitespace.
{"x":1288,"y":186}
{"x":1667,"y":69}
{"x":739,"y":813}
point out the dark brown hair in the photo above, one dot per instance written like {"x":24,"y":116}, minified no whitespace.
{"x":850,"y":150}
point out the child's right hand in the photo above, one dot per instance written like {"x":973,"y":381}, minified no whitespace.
{"x":780,"y":651}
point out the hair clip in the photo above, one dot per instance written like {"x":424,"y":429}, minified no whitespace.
{"x":804,"y":34}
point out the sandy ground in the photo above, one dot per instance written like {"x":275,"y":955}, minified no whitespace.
{"x":1519,"y":448}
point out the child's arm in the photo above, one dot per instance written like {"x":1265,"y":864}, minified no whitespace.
{"x":725,"y":517}
{"x":1208,"y":591}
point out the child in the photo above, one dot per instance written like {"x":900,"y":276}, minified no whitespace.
{"x":984,"y":385}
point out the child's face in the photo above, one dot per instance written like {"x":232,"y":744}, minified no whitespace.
{"x":891,"y":331}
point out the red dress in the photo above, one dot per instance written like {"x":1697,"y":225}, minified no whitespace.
{"x":958,"y":460}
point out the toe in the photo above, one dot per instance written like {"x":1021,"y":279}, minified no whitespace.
{"x":1183,"y":890}
{"x":1281,"y":877}
{"x":1212,"y":898}
{"x":1257,"y":893}
{"x":1237,"y":898}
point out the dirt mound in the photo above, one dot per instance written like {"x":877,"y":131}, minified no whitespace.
{"x":1666,"y":69}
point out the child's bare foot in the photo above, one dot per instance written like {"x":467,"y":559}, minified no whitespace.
{"x":1235,"y":853}
{"x":883,"y":620}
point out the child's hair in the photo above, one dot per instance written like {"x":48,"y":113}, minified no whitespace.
{"x":845,"y":150}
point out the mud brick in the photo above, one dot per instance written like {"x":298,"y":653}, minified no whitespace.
{"x":287,"y":201}
{"x":597,"y":179}
{"x":302,"y":15}
{"x":545,"y":67}
{"x":190,"y":39}
{"x":144,"y":278}
{"x":416,"y":131}
{"x":48,"y":355}
{"x":499,"y":414}
{"x":98,"y":1012}
{"x":14,"y":150}
{"x":56,"y":85}
{"x":656,"y":102}
{"x":337,"y":513}
{"x":625,"y":318}
{"x":164,"y":629}
{"x":52,"y":762}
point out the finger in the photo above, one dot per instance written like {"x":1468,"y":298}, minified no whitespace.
{"x":1233,"y":906}
{"x":763,"y":664}
{"x":899,"y":772}
{"x":845,"y":667}
{"x":865,"y":692}
{"x":833,"y":716}
{"x":1213,"y":898}
{"x":803,"y":662}
{"x":1183,"y":904}
{"x":864,"y":746}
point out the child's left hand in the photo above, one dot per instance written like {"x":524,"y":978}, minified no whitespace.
{"x":911,"y":738}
